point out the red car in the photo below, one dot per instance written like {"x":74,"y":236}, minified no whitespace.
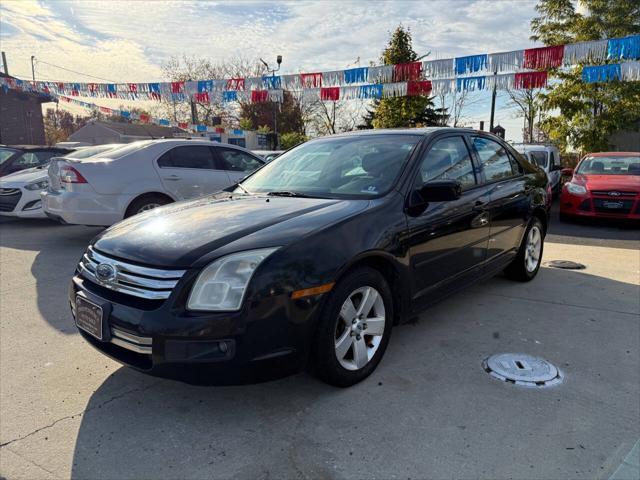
{"x":603,"y":185}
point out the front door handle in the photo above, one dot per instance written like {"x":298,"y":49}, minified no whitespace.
{"x":172,"y":177}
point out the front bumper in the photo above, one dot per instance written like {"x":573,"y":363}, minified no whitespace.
{"x":82,"y":208}
{"x":20,"y":202}
{"x":595,"y":206}
{"x":268,"y":340}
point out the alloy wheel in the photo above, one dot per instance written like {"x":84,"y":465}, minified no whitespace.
{"x":148,"y":206}
{"x":533,"y":249}
{"x":360,"y":328}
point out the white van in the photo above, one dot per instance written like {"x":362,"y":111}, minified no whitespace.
{"x":545,"y":156}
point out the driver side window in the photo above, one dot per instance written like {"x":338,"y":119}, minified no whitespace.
{"x":448,"y":159}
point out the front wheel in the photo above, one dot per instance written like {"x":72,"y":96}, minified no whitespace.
{"x":354,"y":329}
{"x":527,"y":262}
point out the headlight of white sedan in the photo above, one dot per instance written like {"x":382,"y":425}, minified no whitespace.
{"x":222,"y":284}
{"x":576,"y":189}
{"x":41,"y":185}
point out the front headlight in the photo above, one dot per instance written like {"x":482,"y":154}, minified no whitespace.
{"x":576,"y":189}
{"x":222,"y":284}
{"x":41,"y":185}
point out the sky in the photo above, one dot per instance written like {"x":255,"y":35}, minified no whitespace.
{"x":129,"y":41}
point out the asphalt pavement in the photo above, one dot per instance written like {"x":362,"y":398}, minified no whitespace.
{"x":429,"y":411}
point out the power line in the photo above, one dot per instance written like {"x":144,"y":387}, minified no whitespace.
{"x":74,"y":71}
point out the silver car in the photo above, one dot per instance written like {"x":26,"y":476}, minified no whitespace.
{"x":105,"y":188}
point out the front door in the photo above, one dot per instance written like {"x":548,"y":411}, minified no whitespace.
{"x":189,"y":171}
{"x":448,"y":238}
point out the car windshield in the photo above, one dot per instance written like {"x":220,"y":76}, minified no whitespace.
{"x":6,"y":153}
{"x":124,"y":149}
{"x":340,"y":167}
{"x":613,"y":165}
{"x":90,"y":151}
{"x":539,"y":158}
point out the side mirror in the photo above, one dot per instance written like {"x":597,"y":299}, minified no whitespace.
{"x":442,"y":191}
{"x":567,"y":172}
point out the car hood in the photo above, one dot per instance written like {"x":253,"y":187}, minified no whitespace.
{"x":180,"y":234}
{"x":25,"y":176}
{"x":629,"y":183}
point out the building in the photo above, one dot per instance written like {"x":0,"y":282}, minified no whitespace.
{"x":21,"y":121}
{"x":249,"y":139}
{"x":626,"y":140}
{"x":99,"y":132}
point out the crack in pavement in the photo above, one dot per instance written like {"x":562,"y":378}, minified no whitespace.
{"x":28,"y":460}
{"x":68,"y":417}
{"x":514,"y":297}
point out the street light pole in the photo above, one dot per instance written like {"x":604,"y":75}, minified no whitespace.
{"x":33,"y":69}
{"x":275,"y":104}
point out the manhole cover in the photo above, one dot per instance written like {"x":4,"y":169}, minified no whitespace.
{"x":522,"y":369}
{"x":566,"y":264}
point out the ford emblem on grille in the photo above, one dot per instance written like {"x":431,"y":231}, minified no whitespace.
{"x":614,"y":194}
{"x":105,"y":273}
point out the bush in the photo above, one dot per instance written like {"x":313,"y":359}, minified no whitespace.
{"x":291,"y":139}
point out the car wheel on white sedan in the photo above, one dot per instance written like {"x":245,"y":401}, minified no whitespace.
{"x":145,"y":203}
{"x":354,"y":329}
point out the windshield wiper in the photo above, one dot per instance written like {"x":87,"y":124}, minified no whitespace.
{"x":285,"y":193}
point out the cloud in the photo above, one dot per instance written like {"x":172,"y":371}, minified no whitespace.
{"x":130,"y":40}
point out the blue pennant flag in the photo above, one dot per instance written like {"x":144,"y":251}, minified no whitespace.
{"x":111,"y":88}
{"x":201,"y":128}
{"x":125,"y":114}
{"x":229,"y":96}
{"x":205,"y":86}
{"x":154,"y":87}
{"x":601,"y":73}
{"x":271,"y":82}
{"x":237,"y":131}
{"x":470,"y":83}
{"x":371,"y":91}
{"x":356,"y":75}
{"x":472,"y":63}
{"x":164,"y":123}
{"x":627,"y":47}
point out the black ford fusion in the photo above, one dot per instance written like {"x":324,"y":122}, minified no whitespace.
{"x":313,"y":258}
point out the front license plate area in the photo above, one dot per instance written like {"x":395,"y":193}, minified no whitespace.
{"x":90,"y":317}
{"x":612,"y":205}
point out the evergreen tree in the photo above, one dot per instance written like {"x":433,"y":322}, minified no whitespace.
{"x":404,"y":111}
{"x":589,"y":113}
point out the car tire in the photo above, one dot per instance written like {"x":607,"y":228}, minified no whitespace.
{"x":146,"y":202}
{"x":525,"y":266}
{"x":342,"y":353}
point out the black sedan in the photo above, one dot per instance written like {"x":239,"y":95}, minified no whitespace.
{"x":312,"y":259}
{"x":20,"y":157}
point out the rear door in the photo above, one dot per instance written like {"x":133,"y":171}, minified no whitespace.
{"x":189,"y":171}
{"x":508,"y":190}
{"x":237,"y":163}
{"x":448,"y":238}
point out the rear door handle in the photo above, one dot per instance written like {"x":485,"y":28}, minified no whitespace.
{"x":173,"y":177}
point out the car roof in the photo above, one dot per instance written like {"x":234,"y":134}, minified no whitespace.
{"x":422,"y":131}
{"x":37,"y":147}
{"x":611,"y":154}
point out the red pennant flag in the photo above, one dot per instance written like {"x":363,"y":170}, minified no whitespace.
{"x":177,"y":87}
{"x":259,"y":96}
{"x":219,"y":130}
{"x":330,"y":93}
{"x":201,"y":97}
{"x":405,"y":72}
{"x":133,"y":87}
{"x":311,"y":80}
{"x":145,"y":118}
{"x":544,"y":57}
{"x":183,"y":125}
{"x":419,"y":88}
{"x":235,"y":84}
{"x":527,"y":80}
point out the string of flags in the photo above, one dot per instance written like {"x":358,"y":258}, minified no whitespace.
{"x":520,"y":69}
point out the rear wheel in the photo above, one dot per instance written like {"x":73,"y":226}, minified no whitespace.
{"x":527,"y":262}
{"x":145,"y":203}
{"x":354,"y":329}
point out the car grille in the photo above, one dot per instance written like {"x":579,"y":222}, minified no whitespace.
{"x":9,"y":198}
{"x":603,"y":205}
{"x":614,"y":193}
{"x":130,"y":279}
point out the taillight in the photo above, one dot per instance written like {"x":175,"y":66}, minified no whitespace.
{"x":68,"y":174}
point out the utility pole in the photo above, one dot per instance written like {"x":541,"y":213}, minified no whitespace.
{"x":4,"y":64}
{"x":194,"y":110}
{"x":275,"y":104}
{"x":33,"y":70}
{"x":493,"y":102}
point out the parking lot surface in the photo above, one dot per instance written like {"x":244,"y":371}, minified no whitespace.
{"x":429,"y":411}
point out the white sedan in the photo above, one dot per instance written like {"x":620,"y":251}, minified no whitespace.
{"x":20,"y":191}
{"x":105,"y":188}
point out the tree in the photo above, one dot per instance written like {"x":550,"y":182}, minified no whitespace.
{"x":527,"y":102}
{"x":589,"y":113}
{"x":403,"y":111}
{"x":59,"y":124}
{"x":289,"y":115}
{"x":289,"y":140}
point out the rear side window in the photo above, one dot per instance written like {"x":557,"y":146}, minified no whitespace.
{"x":494,"y":159}
{"x":237,"y":160}
{"x":34,"y":159}
{"x":187,"y":157}
{"x":448,"y":159}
